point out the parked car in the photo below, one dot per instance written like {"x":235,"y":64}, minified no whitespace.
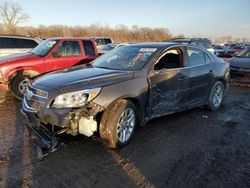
{"x":10,"y":44}
{"x":106,"y":48}
{"x":240,"y":66}
{"x":201,"y":42}
{"x":52,"y":54}
{"x":220,"y":50}
{"x":102,"y":41}
{"x":123,"y":89}
{"x":234,"y":50}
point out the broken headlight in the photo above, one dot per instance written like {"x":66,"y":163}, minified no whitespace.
{"x":75,"y":99}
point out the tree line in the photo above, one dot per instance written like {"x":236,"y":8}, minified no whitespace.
{"x":120,"y":33}
{"x":12,"y":15}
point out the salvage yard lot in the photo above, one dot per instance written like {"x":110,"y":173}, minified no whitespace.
{"x":195,"y":148}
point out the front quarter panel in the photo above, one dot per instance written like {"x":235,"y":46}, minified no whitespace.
{"x":136,"y":88}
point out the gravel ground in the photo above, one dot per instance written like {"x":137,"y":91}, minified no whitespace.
{"x":195,"y":148}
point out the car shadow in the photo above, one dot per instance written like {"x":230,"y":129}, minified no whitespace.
{"x":15,"y":145}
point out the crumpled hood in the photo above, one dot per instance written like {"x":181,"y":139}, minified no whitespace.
{"x":81,"y":77}
{"x":15,"y":57}
{"x":240,"y":62}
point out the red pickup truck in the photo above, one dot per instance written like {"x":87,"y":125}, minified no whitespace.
{"x":52,"y":54}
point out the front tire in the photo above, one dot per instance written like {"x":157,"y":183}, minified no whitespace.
{"x":216,"y":96}
{"x":19,"y":85}
{"x":118,"y":123}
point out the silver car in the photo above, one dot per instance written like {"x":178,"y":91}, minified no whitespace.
{"x":10,"y":44}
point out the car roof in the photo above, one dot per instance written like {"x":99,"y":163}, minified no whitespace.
{"x":69,"y":38}
{"x":100,"y":37}
{"x":155,"y":44}
{"x":37,"y":40}
{"x":17,"y":36}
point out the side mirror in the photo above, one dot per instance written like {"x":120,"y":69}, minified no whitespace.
{"x":56,"y":54}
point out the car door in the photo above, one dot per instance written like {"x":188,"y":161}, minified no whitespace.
{"x":169,"y":83}
{"x":201,"y":75}
{"x":68,"y":53}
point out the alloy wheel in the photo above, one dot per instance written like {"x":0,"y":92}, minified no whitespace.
{"x":126,"y":125}
{"x":217,"y":95}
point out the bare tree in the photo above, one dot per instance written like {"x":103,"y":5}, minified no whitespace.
{"x":12,"y":14}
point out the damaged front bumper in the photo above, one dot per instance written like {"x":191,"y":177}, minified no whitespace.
{"x":46,"y":124}
{"x":41,"y":136}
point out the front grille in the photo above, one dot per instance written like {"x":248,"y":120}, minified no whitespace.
{"x":34,"y":99}
{"x":38,"y":92}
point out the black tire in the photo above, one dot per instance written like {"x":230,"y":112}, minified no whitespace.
{"x":212,"y":104}
{"x":109,"y":125}
{"x":15,"y":85}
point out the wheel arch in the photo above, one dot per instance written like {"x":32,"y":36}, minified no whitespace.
{"x":25,"y":72}
{"x":136,"y":102}
{"x":140,"y":114}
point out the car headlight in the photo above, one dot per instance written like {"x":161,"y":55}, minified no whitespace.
{"x":75,"y":99}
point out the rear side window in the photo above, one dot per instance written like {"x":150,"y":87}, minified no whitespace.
{"x":88,"y":48}
{"x":107,"y":41}
{"x":99,"y":42}
{"x":30,"y":43}
{"x":6,"y":42}
{"x":196,"y":57}
{"x":102,"y":41}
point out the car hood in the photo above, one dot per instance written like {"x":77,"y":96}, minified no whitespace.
{"x":15,"y":57}
{"x":81,"y":77}
{"x":240,"y":62}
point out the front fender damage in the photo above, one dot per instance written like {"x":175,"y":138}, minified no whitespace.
{"x":83,"y":121}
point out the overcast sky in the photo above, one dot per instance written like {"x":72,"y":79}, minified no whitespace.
{"x":203,"y":18}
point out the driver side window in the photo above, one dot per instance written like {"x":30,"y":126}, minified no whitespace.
{"x":69,"y":48}
{"x":171,"y":59}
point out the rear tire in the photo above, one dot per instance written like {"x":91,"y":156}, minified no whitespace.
{"x":118,"y":124}
{"x":18,"y":85}
{"x":216,"y":96}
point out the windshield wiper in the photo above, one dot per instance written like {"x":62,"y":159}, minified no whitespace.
{"x":102,"y":67}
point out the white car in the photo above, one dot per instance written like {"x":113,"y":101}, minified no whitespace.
{"x":102,"y":41}
{"x":10,"y":44}
{"x":106,"y":48}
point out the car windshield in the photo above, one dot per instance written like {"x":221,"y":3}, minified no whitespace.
{"x":245,"y":53}
{"x":125,"y":58}
{"x":44,"y":47}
